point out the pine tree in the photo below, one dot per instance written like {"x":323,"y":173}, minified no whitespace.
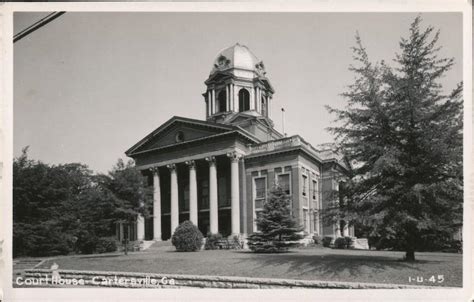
{"x":278,"y":229}
{"x":403,"y":137}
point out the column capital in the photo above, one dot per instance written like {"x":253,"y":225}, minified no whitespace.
{"x":154,"y":170}
{"x":234,"y":156}
{"x":211,"y":160}
{"x":171,"y":167}
{"x":191,"y":164}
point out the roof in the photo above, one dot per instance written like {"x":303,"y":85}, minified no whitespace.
{"x":178,"y":119}
{"x":237,"y":56}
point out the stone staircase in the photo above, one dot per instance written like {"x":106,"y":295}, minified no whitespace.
{"x":147,"y":244}
{"x":361,"y":244}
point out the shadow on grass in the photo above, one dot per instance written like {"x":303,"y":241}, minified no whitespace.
{"x":333,"y":265}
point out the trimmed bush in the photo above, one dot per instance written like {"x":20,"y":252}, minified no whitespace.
{"x":106,"y":245}
{"x":317,"y":239}
{"x":340,"y":243}
{"x":187,"y":237}
{"x":211,"y":241}
{"x":327,"y":241}
{"x":348,"y":240}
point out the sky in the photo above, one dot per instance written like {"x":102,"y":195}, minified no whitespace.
{"x":88,"y":86}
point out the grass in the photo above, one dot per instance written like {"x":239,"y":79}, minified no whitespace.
{"x":305,"y":264}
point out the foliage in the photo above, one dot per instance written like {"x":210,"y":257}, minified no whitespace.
{"x":187,"y":237}
{"x":317,"y":239}
{"x":340,"y":243}
{"x":278,"y":228}
{"x":129,"y":191}
{"x":237,"y":241}
{"x":211,"y":241}
{"x":403,"y":138}
{"x":59,"y":209}
{"x":106,"y":245}
{"x":348,"y":240}
{"x":327,"y":241}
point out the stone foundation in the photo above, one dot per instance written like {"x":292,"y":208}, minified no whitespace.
{"x":151,"y":280}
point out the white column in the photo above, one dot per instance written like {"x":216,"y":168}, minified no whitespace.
{"x":193,"y":207}
{"x":156,"y":205}
{"x":338,"y":229}
{"x":174,"y":198}
{"x":209,"y":102}
{"x":140,"y":227}
{"x":234,"y":192}
{"x":227,"y":97}
{"x":232,"y":104}
{"x":253,"y":96}
{"x":213,"y":205}
{"x":236,"y":99}
{"x":269,"y":106}
{"x":345,"y":230}
{"x":213,"y":101}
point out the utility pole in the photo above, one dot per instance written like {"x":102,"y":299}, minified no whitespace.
{"x":36,"y":26}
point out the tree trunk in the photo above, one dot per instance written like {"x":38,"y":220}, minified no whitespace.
{"x":410,"y":255}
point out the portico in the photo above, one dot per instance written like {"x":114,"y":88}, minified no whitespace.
{"x":204,"y":191}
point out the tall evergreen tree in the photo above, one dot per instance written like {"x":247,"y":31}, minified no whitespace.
{"x":403,"y":137}
{"x":278,"y":229}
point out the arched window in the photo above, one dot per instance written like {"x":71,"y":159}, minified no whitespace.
{"x":264,"y":106}
{"x":222,"y":101}
{"x":244,"y":100}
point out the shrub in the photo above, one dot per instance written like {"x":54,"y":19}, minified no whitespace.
{"x":279,"y":229}
{"x":453,"y":246}
{"x":317,"y":239}
{"x":348,"y":240}
{"x":187,"y":237}
{"x":340,"y":243}
{"x":211,"y":241}
{"x":87,"y":245}
{"x":327,"y":241}
{"x":41,"y":239}
{"x":237,"y":242}
{"x":106,"y":245}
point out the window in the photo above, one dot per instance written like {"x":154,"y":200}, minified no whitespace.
{"x":222,"y":192}
{"x":222,"y":101}
{"x":315,"y":190}
{"x":264,"y":107}
{"x":244,"y":100}
{"x":283,"y":181}
{"x":185,"y":204}
{"x":306,"y":220}
{"x":305,"y":185}
{"x":316,"y":222}
{"x":260,"y":192}
{"x":204,"y":195}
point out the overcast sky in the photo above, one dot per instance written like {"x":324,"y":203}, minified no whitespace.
{"x":90,"y":85}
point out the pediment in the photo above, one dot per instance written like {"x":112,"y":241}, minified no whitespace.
{"x":177,"y":131}
{"x":218,"y":76}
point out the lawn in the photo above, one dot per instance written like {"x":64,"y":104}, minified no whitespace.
{"x":304,"y":264}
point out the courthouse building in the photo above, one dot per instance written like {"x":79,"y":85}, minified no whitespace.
{"x":217,"y":172}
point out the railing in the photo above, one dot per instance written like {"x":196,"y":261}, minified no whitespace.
{"x":292,"y":141}
{"x":285,"y":143}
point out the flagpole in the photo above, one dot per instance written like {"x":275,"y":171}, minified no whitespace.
{"x":283,"y":120}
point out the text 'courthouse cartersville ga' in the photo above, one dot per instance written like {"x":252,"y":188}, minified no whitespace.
{"x":217,"y":172}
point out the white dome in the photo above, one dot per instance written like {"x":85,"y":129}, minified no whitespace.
{"x":237,"y":56}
